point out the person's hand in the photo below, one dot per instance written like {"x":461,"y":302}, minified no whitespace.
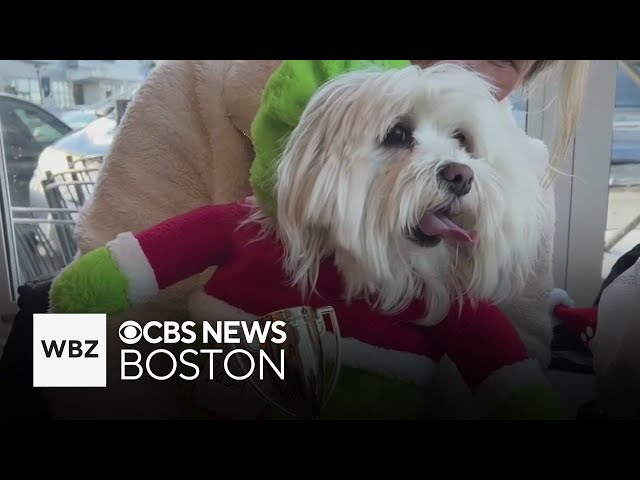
{"x":615,"y":346}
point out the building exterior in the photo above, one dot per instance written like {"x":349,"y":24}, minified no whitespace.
{"x":60,"y":85}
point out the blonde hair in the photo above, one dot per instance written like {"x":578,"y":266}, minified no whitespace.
{"x":572,"y":83}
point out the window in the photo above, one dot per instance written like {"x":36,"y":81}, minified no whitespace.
{"x":20,"y":87}
{"x":35,"y":94}
{"x":27,"y":88}
{"x":62,"y":94}
{"x":26,"y":131}
{"x":47,"y":170}
{"x":581,"y":186}
{"x":599,"y":201}
{"x":623,"y":215}
{"x":41,"y":131}
{"x":78,"y":94}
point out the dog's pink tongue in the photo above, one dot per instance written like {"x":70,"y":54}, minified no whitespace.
{"x":437,"y":224}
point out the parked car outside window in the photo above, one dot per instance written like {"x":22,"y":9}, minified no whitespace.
{"x":27,"y":130}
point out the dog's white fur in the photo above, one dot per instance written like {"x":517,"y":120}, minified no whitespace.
{"x":341,"y":192}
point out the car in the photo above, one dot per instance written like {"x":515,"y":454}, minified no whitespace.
{"x":92,"y":141}
{"x":37,"y":143}
{"x":80,"y":116}
{"x":78,"y":119}
{"x":27,"y":130}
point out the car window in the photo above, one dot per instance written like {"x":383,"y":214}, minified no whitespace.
{"x":33,"y":124}
{"x":26,"y":131}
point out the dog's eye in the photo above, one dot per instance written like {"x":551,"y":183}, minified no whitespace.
{"x":504,"y":63}
{"x":399,"y":136}
{"x":461,"y":138}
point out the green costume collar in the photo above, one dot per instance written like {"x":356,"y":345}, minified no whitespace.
{"x":284,"y":99}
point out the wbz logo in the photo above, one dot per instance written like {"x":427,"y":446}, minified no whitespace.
{"x":69,"y":350}
{"x":75,"y":348}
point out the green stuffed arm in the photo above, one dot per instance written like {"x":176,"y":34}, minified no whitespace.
{"x":91,"y":284}
{"x":134,"y":267}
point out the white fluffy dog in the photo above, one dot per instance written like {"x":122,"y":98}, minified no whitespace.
{"x":419,"y":182}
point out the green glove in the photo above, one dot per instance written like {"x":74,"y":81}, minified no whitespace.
{"x":91,"y":284}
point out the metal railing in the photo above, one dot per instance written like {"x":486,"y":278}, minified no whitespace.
{"x":45,"y":237}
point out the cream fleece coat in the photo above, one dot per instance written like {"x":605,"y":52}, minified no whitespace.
{"x":180,"y":145}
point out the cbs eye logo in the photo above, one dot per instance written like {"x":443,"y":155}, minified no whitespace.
{"x":130,"y":332}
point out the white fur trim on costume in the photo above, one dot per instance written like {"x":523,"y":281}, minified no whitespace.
{"x":558,"y":296}
{"x":507,"y":380}
{"x":127,"y":253}
{"x":389,"y":363}
{"x":205,"y":308}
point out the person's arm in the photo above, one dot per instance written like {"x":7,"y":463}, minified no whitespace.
{"x":611,"y":332}
{"x":135,"y":266}
{"x":492,"y":359}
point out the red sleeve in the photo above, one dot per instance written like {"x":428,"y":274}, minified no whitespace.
{"x":479,"y":341}
{"x":183,"y":246}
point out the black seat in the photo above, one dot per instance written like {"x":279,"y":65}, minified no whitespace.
{"x":19,"y":399}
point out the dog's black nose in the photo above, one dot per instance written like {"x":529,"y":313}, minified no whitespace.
{"x":459,"y":178}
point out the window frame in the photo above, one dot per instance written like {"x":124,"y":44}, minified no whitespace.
{"x":8,"y":267}
{"x":8,"y":256}
{"x":28,"y":106}
{"x":582,"y":189}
